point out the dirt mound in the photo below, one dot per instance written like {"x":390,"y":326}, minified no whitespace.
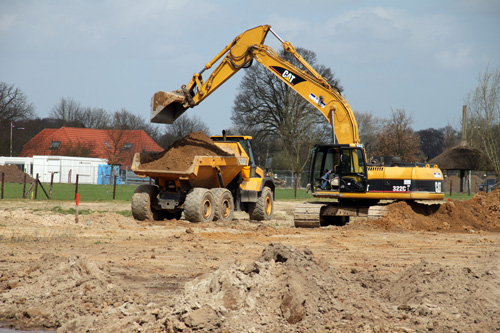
{"x":480,"y":213}
{"x":285,"y":289}
{"x":179,"y":156}
{"x":56,"y":290}
{"x":12,"y":174}
{"x":448,"y":299}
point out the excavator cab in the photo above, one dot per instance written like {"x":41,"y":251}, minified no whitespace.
{"x":338,"y":168}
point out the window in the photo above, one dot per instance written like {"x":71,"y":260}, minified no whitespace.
{"x":55,"y":145}
{"x":107,"y":144}
{"x":127,"y":146}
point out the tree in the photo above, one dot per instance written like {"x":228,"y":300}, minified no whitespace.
{"x":95,"y":118}
{"x":14,"y":104}
{"x":368,"y":127}
{"x":78,"y":149}
{"x":14,"y":107}
{"x":123,"y":119}
{"x":181,"y":127}
{"x":431,"y":142}
{"x":451,"y":137}
{"x":68,"y":112}
{"x":276,"y":114}
{"x":398,"y":138}
{"x":484,"y":122}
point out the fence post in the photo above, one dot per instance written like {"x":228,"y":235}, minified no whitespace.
{"x":36,"y":186}
{"x":51,"y":182}
{"x":3,"y":178}
{"x":76,"y":186}
{"x":24,"y":187}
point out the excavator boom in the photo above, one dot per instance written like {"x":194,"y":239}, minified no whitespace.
{"x":168,"y":106}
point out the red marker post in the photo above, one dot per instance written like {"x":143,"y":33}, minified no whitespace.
{"x":76,"y":209}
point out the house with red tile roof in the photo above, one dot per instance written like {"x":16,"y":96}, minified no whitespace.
{"x":117,"y":146}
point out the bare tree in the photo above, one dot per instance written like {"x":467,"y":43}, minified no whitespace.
{"x":271,"y":110}
{"x":182,"y":126}
{"x":123,"y":119}
{"x":484,"y":121}
{"x":398,"y":138}
{"x":68,"y":112}
{"x":14,"y":104}
{"x":368,"y":127}
{"x":95,"y":118}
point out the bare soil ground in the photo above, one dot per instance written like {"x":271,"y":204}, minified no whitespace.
{"x":437,"y":269}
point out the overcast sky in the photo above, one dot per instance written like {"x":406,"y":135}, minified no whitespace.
{"x":423,"y":56}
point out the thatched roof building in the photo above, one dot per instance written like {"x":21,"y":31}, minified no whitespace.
{"x":463,"y":158}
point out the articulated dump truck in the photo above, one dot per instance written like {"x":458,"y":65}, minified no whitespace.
{"x":207,"y":187}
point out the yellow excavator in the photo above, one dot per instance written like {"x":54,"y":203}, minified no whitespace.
{"x":337,"y":171}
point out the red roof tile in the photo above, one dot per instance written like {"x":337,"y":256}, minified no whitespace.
{"x":112,"y":145}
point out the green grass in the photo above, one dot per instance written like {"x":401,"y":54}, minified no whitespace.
{"x":67,"y":192}
{"x":289,"y":194}
{"x":458,"y":196}
{"x":125,"y":192}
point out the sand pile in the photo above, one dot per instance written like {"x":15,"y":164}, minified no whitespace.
{"x":480,"y":213}
{"x":56,"y":290}
{"x":12,"y":174}
{"x":284,"y":289}
{"x":179,"y":156}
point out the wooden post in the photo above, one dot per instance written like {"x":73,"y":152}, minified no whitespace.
{"x":36,"y":186}
{"x":24,"y":187}
{"x":451,"y":183}
{"x":77,"y":203}
{"x":3,"y":179}
{"x":51,"y":182}
{"x":76,"y":187}
{"x":114,"y":187}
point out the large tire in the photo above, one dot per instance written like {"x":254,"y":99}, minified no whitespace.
{"x":199,"y":205}
{"x":144,"y":200}
{"x":224,"y":206}
{"x":262,"y":210}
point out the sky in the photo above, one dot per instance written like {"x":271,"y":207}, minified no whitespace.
{"x":422,"y":56}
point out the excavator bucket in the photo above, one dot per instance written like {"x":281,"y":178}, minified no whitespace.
{"x":166,"y":107}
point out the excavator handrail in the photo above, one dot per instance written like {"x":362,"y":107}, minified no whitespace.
{"x":168,"y":106}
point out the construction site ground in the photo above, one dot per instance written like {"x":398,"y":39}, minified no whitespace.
{"x":109,"y":273}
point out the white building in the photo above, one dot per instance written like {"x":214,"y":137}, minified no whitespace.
{"x":64,"y":168}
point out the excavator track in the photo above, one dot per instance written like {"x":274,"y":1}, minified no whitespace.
{"x":317,"y":214}
{"x":307,"y":215}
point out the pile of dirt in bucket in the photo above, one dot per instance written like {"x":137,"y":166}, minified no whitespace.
{"x":12,"y":174}
{"x":179,"y":156}
{"x":480,"y":213}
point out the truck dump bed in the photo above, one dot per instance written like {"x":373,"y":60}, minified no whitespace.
{"x":205,"y":171}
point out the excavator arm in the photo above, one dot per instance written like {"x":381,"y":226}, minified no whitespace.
{"x":168,"y":106}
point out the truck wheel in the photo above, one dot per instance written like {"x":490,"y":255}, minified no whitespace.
{"x":263,"y":208}
{"x":199,"y":205}
{"x":144,"y":200}
{"x":223,"y":205}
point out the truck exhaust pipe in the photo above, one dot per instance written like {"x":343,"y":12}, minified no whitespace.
{"x":166,"y":107}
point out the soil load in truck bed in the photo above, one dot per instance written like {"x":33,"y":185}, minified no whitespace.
{"x":179,"y":156}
